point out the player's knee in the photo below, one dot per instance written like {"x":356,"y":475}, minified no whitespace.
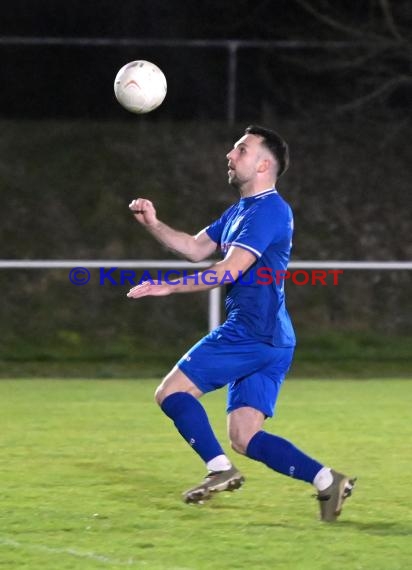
{"x":159,"y":395}
{"x":238,"y":448}
{"x":238,"y":445}
{"x":239,"y":439}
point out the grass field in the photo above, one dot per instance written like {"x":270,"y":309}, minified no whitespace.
{"x":91,"y":474}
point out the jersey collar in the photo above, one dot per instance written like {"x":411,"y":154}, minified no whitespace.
{"x":264,"y":193}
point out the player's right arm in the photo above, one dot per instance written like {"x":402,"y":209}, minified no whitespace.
{"x":194,"y":248}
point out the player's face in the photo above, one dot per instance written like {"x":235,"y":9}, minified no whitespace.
{"x":244,"y":159}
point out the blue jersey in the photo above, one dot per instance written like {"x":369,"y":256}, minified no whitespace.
{"x":263,"y":225}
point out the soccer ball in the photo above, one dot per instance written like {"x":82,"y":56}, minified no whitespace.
{"x":140,"y":86}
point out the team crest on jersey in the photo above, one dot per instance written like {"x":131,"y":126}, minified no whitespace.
{"x":237,"y":222}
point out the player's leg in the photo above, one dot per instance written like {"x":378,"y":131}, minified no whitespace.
{"x":242,"y":424}
{"x":178,"y":397}
{"x":176,"y":381}
{"x":248,"y":438}
{"x":253,"y":399}
{"x":282,"y":456}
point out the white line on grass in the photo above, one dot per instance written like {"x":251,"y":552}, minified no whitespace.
{"x":4,"y":541}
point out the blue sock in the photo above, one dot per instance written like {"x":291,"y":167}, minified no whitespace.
{"x":193,"y":424}
{"x":282,"y":456}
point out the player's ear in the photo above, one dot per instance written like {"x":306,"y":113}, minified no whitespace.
{"x":264,"y":165}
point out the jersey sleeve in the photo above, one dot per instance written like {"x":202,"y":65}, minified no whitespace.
{"x":264,"y":225}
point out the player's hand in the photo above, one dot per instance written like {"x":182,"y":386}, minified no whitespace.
{"x":150,"y":288}
{"x":144,"y":211}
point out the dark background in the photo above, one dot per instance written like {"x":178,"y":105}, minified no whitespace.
{"x":333,"y":56}
{"x":334,"y":78}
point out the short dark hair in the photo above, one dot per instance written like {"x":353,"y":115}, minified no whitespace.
{"x":275,"y":143}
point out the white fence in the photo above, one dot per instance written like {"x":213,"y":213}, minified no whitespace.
{"x":214,"y":310}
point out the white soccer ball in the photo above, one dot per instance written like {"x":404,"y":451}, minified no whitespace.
{"x":140,"y":86}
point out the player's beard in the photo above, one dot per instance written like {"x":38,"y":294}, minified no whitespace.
{"x":234,"y":181}
{"x":237,"y":183}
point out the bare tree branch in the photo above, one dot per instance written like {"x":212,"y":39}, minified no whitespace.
{"x":386,"y":87}
{"x":371,"y":71}
{"x":335,"y":24}
{"x":389,"y":20}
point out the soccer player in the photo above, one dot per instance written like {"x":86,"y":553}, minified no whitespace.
{"x":252,"y":350}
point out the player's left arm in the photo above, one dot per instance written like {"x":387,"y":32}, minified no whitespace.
{"x":237,"y":262}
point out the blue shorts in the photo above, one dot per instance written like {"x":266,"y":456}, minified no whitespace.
{"x":253,"y":370}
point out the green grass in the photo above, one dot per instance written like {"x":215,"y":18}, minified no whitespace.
{"x":91,"y":474}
